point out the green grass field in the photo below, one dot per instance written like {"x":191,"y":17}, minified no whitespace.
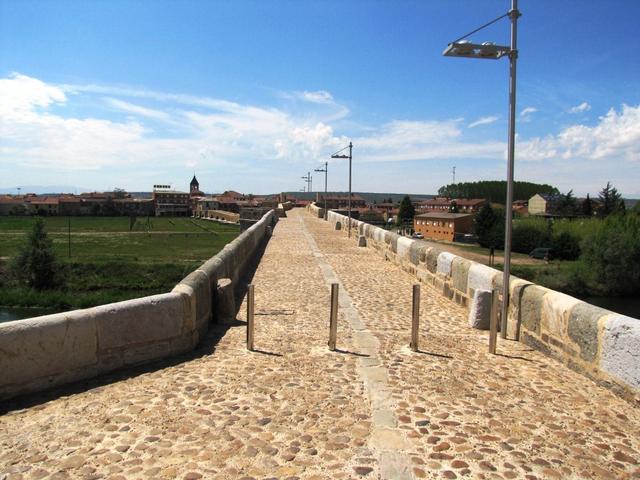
{"x":108,"y":261}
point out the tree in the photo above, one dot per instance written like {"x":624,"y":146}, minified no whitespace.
{"x":119,"y":193}
{"x":489,"y":227}
{"x":35,"y":264}
{"x":587,"y":207}
{"x":612,"y":256}
{"x":453,"y":207}
{"x":610,"y":201}
{"x":567,"y":204}
{"x":407,"y":211}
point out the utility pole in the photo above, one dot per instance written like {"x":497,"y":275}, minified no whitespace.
{"x":325,"y":170}
{"x":350,"y":156}
{"x":307,"y":179}
{"x":454,"y":175}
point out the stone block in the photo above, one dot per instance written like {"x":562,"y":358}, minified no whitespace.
{"x":531,"y":307}
{"x":143,"y":320}
{"x":417,"y":251}
{"x":444,"y":263}
{"x":44,"y":346}
{"x":338,"y":225}
{"x":480,"y":310}
{"x":393,"y":241}
{"x":514,"y":314}
{"x":481,"y":277}
{"x":403,"y":247}
{"x":459,"y":273}
{"x":432,"y":259}
{"x":224,"y":303}
{"x":556,"y":308}
{"x":620,"y":356}
{"x":583,"y":328}
{"x":199,"y":282}
{"x":362,"y":241}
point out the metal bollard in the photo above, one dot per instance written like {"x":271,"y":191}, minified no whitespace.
{"x":333,"y":318}
{"x":493,"y":322}
{"x":415,"y":319}
{"x":250,"y":311}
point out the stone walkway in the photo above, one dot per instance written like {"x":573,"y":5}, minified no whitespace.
{"x":373,"y":409}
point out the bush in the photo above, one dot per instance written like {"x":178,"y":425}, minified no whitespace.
{"x":565,"y":246}
{"x":35,"y":265}
{"x":611,"y":257}
{"x":525,"y":237}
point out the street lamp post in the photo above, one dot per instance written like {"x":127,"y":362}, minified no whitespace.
{"x":325,"y":170}
{"x":338,"y":155}
{"x":488,"y":50}
{"x":307,"y":179}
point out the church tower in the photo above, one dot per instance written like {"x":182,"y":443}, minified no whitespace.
{"x":194,"y":186}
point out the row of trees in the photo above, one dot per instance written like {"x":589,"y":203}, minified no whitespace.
{"x":495,"y":190}
{"x":609,"y":202}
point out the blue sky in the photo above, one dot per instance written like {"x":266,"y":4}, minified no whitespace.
{"x":252,"y":95}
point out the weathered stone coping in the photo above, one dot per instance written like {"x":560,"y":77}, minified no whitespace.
{"x":601,"y":344}
{"x":52,"y":350}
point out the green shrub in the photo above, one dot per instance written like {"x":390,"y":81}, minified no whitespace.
{"x":565,"y":246}
{"x":611,"y":256}
{"x":35,"y":265}
{"x":525,"y":237}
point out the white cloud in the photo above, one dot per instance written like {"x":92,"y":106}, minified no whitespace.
{"x":41,"y":134}
{"x":583,"y":107}
{"x":321,"y":96}
{"x":525,"y":114}
{"x":615,"y":138}
{"x":137,"y":109}
{"x":483,"y":121}
{"x":20,"y":95}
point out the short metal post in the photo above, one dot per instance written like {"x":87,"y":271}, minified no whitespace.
{"x":333,"y":319}
{"x":250,"y":311}
{"x":493,"y":322}
{"x":415,"y":319}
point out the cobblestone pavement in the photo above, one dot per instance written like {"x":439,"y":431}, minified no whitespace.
{"x":295,"y":410}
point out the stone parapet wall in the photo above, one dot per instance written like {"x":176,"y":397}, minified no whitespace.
{"x":52,"y":350}
{"x":221,"y":215}
{"x":602,"y":344}
{"x":316,"y":211}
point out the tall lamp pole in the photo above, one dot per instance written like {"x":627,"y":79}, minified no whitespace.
{"x":325,"y":170}
{"x":488,"y":50}
{"x":338,"y":155}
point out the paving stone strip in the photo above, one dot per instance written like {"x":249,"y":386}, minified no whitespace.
{"x":386,"y":439}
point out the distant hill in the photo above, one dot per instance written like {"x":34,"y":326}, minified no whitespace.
{"x":370,"y":197}
{"x":43,"y":189}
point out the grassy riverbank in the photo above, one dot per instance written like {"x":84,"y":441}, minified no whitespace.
{"x":109,"y":262}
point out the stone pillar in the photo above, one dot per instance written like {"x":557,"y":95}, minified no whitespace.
{"x":338,"y":226}
{"x":225,"y":304}
{"x":480,"y":311}
{"x":362,"y":241}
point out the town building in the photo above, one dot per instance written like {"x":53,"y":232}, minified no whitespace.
{"x":446,"y":204}
{"x":168,"y":202}
{"x":443,"y":225}
{"x":340,"y":202}
{"x":543,"y":204}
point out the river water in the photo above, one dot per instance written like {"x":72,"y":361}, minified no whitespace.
{"x":8,"y":314}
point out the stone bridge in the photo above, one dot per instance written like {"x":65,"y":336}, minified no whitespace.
{"x":293,"y":409}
